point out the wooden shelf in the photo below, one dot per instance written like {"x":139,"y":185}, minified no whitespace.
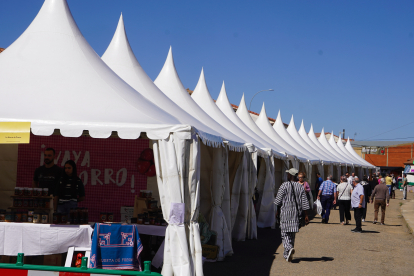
{"x":27,"y":208}
{"x":33,"y":197}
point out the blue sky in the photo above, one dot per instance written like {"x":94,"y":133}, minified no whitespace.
{"x":337,"y":64}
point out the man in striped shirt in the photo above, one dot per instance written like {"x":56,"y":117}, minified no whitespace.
{"x":291,"y":202}
{"x":327,"y":196}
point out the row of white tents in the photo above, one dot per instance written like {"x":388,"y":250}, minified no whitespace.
{"x":207,"y":156}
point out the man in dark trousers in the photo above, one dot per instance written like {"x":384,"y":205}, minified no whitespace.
{"x":380,"y":194}
{"x":358,"y":203}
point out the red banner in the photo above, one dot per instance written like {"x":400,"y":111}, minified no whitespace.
{"x":107,"y":167}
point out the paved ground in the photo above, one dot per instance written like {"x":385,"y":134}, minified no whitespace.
{"x":329,"y":249}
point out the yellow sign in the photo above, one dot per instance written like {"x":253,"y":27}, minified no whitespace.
{"x":14,"y":132}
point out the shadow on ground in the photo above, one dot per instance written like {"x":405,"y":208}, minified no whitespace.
{"x":251,"y":257}
{"x":322,"y":259}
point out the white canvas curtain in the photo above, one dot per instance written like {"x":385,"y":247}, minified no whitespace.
{"x":215,"y":195}
{"x":338,"y":169}
{"x":251,"y":218}
{"x":321,"y":170}
{"x":177,"y":164}
{"x":330,"y":171}
{"x":266,"y":188}
{"x":240,"y":198}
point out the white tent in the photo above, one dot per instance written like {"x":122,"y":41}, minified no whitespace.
{"x":170,"y":84}
{"x":282,"y":132}
{"x":243,"y":221}
{"x":292,"y":153}
{"x":266,"y":182}
{"x":339,"y":152}
{"x":291,"y":129}
{"x":349,"y":148}
{"x":121,"y":59}
{"x":315,"y":143}
{"x":346,"y":153}
{"x":238,"y":164}
{"x":52,"y":78}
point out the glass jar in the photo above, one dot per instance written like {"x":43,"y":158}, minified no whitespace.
{"x":110,"y":217}
{"x":45,"y":191}
{"x":21,"y":191}
{"x":146,"y":221}
{"x":29,"y":218}
{"x":16,"y":191}
{"x":55,"y":218}
{"x":46,"y":203}
{"x":35,"y":202}
{"x":37,"y":217}
{"x":25,"y":202}
{"x":24,"y":216}
{"x":26,"y":191}
{"x":45,"y":218}
{"x":29,"y":192}
{"x":9,"y":216}
{"x":102,"y":217}
{"x":38,"y":192}
{"x":64,"y":219}
{"x":2,"y":215}
{"x":18,"y":217}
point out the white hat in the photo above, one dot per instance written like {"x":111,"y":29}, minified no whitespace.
{"x":292,"y":171}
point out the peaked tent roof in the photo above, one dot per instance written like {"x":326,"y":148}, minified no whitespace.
{"x":320,"y":150}
{"x":291,"y":129}
{"x":316,"y":142}
{"x":244,"y":115}
{"x":53,"y":78}
{"x":121,"y":59}
{"x":263,"y":123}
{"x":341,"y":146}
{"x":335,"y":147}
{"x":202,"y":97}
{"x":349,"y":148}
{"x":169,"y":82}
{"x":328,"y":147}
{"x":224,"y":105}
{"x":280,"y":129}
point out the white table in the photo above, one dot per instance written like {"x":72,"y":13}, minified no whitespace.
{"x":42,"y":239}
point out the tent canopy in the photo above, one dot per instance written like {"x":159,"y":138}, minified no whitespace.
{"x":224,"y":105}
{"x":295,"y":135}
{"x":340,"y":153}
{"x":244,"y":115}
{"x":305,"y":137}
{"x":121,"y":59}
{"x":349,"y":148}
{"x":52,"y":63}
{"x":263,"y":123}
{"x":328,"y":147}
{"x":282,"y":132}
{"x":169,"y":82}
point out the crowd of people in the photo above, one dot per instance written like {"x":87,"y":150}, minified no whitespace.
{"x":294,"y":196}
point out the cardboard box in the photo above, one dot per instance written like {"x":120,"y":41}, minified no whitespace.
{"x":210,"y":251}
{"x":126,"y":213}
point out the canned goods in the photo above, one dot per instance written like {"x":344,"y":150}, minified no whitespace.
{"x":2,"y":215}
{"x":25,"y":202}
{"x":45,"y":218}
{"x":24,"y":217}
{"x":45,"y":191}
{"x":18,"y":217}
{"x":102,"y":217}
{"x":110,"y":217}
{"x":36,"y":218}
{"x":9,"y":216}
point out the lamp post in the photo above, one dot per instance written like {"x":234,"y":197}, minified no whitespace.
{"x":256,"y":94}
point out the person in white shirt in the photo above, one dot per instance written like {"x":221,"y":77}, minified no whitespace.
{"x":343,"y":192}
{"x":351,"y":179}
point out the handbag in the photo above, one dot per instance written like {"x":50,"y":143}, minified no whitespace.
{"x":343,"y":191}
{"x":302,"y":222}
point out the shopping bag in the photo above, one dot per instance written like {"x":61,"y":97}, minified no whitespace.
{"x":317,"y":206}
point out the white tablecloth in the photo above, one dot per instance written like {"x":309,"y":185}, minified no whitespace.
{"x":42,"y":239}
{"x":152,"y":230}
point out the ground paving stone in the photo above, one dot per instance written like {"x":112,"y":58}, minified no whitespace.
{"x":329,"y":249}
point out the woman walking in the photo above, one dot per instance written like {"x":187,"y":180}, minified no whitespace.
{"x":344,"y":200}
